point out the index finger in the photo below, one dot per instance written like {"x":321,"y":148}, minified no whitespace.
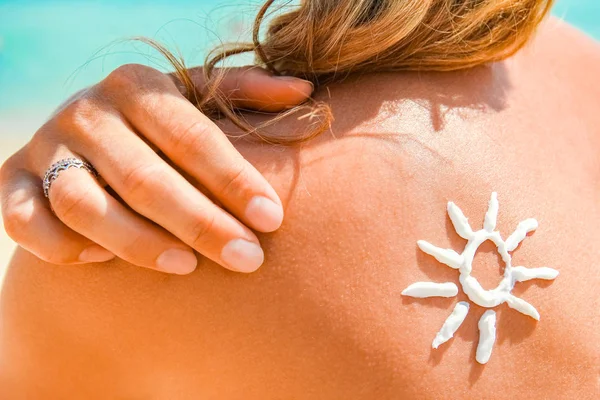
{"x":154,"y":106}
{"x":254,"y":88}
{"x":193,"y":142}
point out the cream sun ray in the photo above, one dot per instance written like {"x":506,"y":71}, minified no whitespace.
{"x":460,"y":222}
{"x":487,"y":336}
{"x":489,"y":223}
{"x":445,"y":256}
{"x":524,"y":227}
{"x":452,"y":323}
{"x":522,"y":306}
{"x":522,"y":274}
{"x":431,"y":289}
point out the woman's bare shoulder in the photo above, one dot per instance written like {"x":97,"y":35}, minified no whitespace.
{"x":559,"y":38}
{"x":567,"y":54}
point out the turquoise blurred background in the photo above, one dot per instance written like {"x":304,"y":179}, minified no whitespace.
{"x":49,"y":48}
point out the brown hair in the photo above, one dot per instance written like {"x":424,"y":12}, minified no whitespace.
{"x":325,"y":40}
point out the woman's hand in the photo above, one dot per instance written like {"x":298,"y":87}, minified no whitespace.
{"x":160,"y":217}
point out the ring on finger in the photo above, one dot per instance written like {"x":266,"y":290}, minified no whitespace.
{"x":55,"y":169}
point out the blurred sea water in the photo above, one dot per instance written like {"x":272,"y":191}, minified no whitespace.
{"x":51,"y":48}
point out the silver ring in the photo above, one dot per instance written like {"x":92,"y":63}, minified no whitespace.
{"x":63,"y":165}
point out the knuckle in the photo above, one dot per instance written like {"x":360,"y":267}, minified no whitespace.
{"x":32,"y":154}
{"x":134,"y":249}
{"x":201,"y":231}
{"x":4,"y":168}
{"x":140,"y":182}
{"x":129,"y":77}
{"x":7,"y":168}
{"x":123,"y":77}
{"x":15,"y":214}
{"x":234,"y":181}
{"x":15,"y":222}
{"x":190,"y":141}
{"x":70,"y":203}
{"x":79,"y":117}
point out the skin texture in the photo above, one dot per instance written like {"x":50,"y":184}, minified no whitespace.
{"x":324,"y":318}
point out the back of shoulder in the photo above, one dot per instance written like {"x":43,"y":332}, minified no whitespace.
{"x":568,"y":52}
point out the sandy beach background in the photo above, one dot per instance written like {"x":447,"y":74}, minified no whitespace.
{"x":49,"y":49}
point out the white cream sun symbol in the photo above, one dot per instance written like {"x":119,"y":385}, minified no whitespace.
{"x":464,"y":264}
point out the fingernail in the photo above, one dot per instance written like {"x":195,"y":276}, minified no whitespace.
{"x":177,"y":261}
{"x":242,"y":255}
{"x":95,"y":253}
{"x":264,"y":214}
{"x":295,"y":80}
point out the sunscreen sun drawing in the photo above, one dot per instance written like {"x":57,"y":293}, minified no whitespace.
{"x":464,"y":264}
